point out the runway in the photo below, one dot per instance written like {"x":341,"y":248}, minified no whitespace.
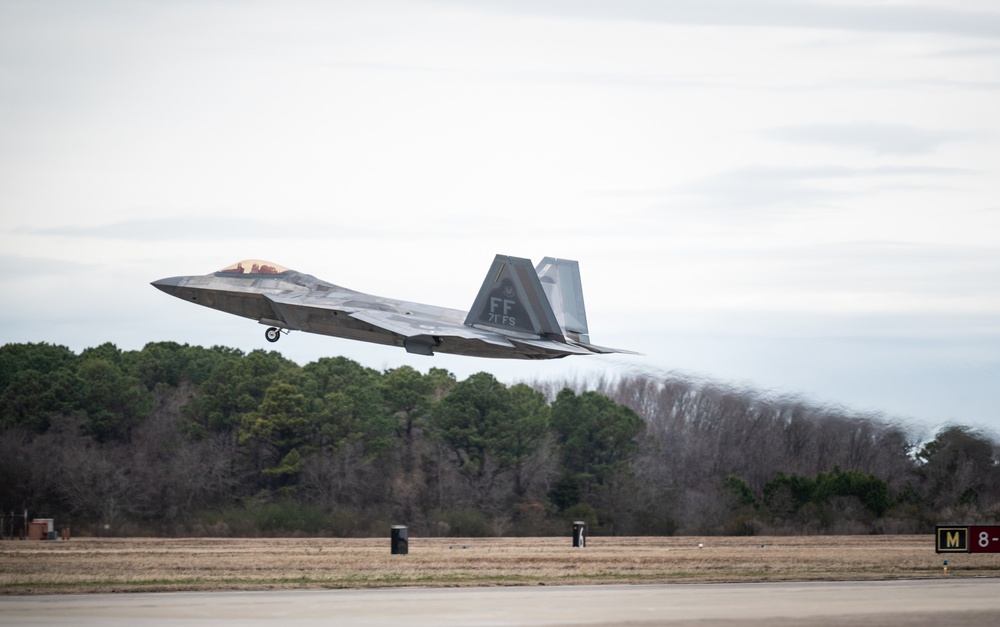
{"x":914,"y":602}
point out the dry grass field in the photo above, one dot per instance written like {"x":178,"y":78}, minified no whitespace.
{"x":138,"y":564}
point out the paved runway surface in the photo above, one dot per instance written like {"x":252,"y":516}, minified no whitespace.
{"x":919,"y":602}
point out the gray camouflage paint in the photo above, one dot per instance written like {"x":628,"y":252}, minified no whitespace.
{"x":512,"y":317}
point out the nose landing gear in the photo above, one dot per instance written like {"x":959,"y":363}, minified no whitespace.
{"x":273,"y":334}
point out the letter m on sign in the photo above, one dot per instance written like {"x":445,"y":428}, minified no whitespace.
{"x":952,"y":539}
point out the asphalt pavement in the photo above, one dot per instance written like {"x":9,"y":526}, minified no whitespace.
{"x":904,"y":602}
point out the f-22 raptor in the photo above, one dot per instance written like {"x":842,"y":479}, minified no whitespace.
{"x":521,"y":312}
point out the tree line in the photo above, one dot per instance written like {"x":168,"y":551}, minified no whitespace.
{"x":186,"y":440}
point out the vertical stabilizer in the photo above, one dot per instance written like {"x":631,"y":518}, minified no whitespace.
{"x":560,"y":278}
{"x":512,"y":299}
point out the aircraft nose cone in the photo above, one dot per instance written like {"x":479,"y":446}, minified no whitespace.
{"x":169,"y":285}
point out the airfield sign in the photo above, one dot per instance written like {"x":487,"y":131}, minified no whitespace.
{"x":968,"y":539}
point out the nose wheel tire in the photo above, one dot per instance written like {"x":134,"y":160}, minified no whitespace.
{"x":273,"y":334}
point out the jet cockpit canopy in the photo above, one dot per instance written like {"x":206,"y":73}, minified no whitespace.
{"x":255,"y":267}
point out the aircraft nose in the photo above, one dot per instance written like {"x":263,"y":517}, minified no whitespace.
{"x":169,"y":285}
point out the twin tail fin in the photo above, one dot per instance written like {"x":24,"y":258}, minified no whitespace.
{"x":528,"y":304}
{"x":512,"y":301}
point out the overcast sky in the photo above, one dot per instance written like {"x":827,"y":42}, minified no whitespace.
{"x":803,"y":197}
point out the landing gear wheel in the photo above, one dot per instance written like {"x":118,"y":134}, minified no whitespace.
{"x":273,"y":334}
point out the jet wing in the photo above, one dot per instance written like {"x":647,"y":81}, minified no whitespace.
{"x":294,"y":313}
{"x":406,"y":326}
{"x":409,"y":328}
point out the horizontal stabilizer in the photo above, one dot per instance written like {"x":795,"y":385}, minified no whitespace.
{"x":562,"y":347}
{"x":604,"y":350}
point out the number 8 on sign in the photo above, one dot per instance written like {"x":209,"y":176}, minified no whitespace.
{"x":984,"y":539}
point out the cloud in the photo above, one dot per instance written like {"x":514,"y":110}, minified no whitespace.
{"x":755,"y":187}
{"x":890,"y":139}
{"x":287,"y":228}
{"x":543,"y":77}
{"x":167,"y":229}
{"x":770,"y":13}
{"x":771,"y":187}
{"x":966,"y":53}
{"x":35,"y":267}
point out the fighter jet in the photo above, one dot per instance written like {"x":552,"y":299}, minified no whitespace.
{"x":521,"y":312}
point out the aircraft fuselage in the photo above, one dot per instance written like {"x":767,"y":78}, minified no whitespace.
{"x":512,"y":317}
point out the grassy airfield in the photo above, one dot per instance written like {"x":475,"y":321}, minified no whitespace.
{"x":205,"y":564}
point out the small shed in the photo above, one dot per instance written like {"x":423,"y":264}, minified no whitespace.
{"x":38,"y":530}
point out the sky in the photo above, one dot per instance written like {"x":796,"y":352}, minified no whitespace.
{"x":801,"y":197}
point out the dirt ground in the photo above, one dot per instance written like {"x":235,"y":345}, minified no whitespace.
{"x":147,"y":564}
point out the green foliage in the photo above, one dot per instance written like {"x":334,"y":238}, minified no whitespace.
{"x":597,"y":435}
{"x":347,"y":407}
{"x":279,"y":423}
{"x":36,"y":381}
{"x":785,"y":494}
{"x":471,"y":420}
{"x":330,"y":374}
{"x":565,"y":493}
{"x":114,"y":401}
{"x":490,"y":428}
{"x":107,"y":352}
{"x":527,"y":417}
{"x":584,"y":512}
{"x":740,"y":491}
{"x":32,"y":398}
{"x":872,"y":491}
{"x":42,"y":358}
{"x":164,"y":436}
{"x":441,"y":382}
{"x":409,"y":395}
{"x":784,"y":491}
{"x":233,"y":387}
{"x":171,"y":364}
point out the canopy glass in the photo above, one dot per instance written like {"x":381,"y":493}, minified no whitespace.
{"x":253,"y":266}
